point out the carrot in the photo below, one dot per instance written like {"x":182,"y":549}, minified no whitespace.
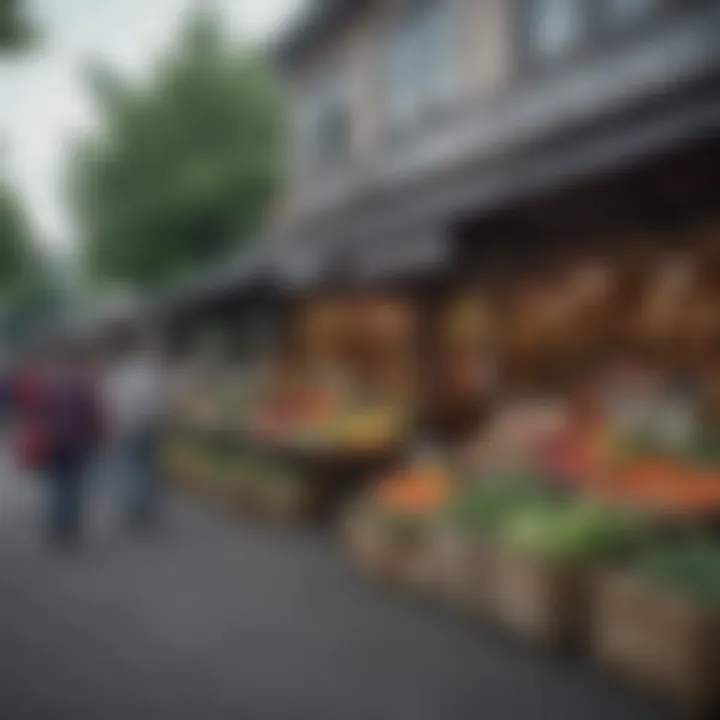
{"x":665,"y":485}
{"x":415,"y":491}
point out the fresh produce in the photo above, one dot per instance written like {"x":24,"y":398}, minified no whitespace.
{"x":368,"y":428}
{"x":483,"y":507}
{"x":418,"y":490}
{"x":516,"y":438}
{"x":572,"y":532}
{"x":690,"y":567}
{"x":705,"y":447}
{"x":233,"y":473}
{"x":664,"y":485}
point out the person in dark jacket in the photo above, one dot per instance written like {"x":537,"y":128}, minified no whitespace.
{"x":72,"y":422}
{"x":5,"y":393}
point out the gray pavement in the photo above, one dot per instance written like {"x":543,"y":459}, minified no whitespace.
{"x":216,"y":619}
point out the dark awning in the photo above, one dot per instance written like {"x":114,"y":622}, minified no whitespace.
{"x":249,"y":271}
{"x":476,"y":188}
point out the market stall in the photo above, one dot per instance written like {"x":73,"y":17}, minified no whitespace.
{"x":578,"y":503}
{"x":531,"y":434}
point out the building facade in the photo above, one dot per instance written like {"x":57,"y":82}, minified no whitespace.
{"x":409,"y":117}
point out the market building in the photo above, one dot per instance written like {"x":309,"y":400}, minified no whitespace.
{"x":414,"y":122}
{"x":493,"y":284}
{"x":545,"y":169}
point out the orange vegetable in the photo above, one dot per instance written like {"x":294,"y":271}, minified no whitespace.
{"x":664,"y":485}
{"x":415,"y":490}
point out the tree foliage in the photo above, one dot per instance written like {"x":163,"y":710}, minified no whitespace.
{"x":15,"y":29}
{"x":15,"y":241}
{"x":181,"y":167}
{"x":29,"y":291}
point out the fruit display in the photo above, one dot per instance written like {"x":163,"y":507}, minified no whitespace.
{"x":299,"y":411}
{"x":419,"y":490}
{"x":359,"y":430}
{"x":515,"y":438}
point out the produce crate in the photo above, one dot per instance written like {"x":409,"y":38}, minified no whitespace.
{"x":423,"y":566}
{"x":385,"y":556}
{"x":466,"y":571}
{"x":658,"y":639}
{"x":544,"y":602}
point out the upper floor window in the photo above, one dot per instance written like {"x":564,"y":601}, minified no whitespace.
{"x":332,"y":134}
{"x":323,"y":122}
{"x":421,"y":72}
{"x":556,"y":27}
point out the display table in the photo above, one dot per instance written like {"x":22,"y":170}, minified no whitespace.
{"x":329,"y":476}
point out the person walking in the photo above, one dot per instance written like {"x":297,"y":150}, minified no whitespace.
{"x":64,"y":431}
{"x":6,"y":393}
{"x":136,"y":401}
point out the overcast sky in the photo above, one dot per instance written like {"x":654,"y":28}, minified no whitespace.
{"x":43,"y":100}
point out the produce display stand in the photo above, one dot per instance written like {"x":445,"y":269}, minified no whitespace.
{"x":607,"y":317}
{"x":543,"y":602}
{"x":689,"y":507}
{"x":658,"y":639}
{"x":552,"y":345}
{"x":329,"y":476}
{"x":391,"y":559}
{"x":467,"y":573}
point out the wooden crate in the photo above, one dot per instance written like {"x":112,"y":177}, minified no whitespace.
{"x":382,"y":555}
{"x":422,"y":565}
{"x":466,"y":572}
{"x":658,"y":639}
{"x":543,"y":602}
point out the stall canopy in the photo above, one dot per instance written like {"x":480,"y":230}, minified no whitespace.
{"x":248,"y":272}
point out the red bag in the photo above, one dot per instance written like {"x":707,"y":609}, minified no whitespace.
{"x":33,"y":443}
{"x":33,"y":448}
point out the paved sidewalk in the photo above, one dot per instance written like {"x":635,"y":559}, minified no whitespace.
{"x":213,"y":619}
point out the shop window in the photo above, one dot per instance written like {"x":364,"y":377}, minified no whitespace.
{"x":421,"y":60}
{"x":556,"y":27}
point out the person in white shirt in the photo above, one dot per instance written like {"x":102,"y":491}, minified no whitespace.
{"x":136,"y":402}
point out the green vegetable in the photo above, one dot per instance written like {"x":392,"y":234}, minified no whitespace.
{"x":705,"y":448}
{"x":483,"y":507}
{"x":572,"y":532}
{"x":690,"y":566}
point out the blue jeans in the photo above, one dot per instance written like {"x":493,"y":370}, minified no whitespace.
{"x":65,"y":477}
{"x":140,"y":474}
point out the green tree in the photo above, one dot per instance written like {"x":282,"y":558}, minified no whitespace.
{"x":29,"y":291}
{"x":182,"y":167}
{"x":15,"y":29}
{"x":15,"y":241}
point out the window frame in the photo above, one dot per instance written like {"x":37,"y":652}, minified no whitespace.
{"x":313,"y":108}
{"x":529,"y":53}
{"x":408,"y":25}
{"x":601,"y":35}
